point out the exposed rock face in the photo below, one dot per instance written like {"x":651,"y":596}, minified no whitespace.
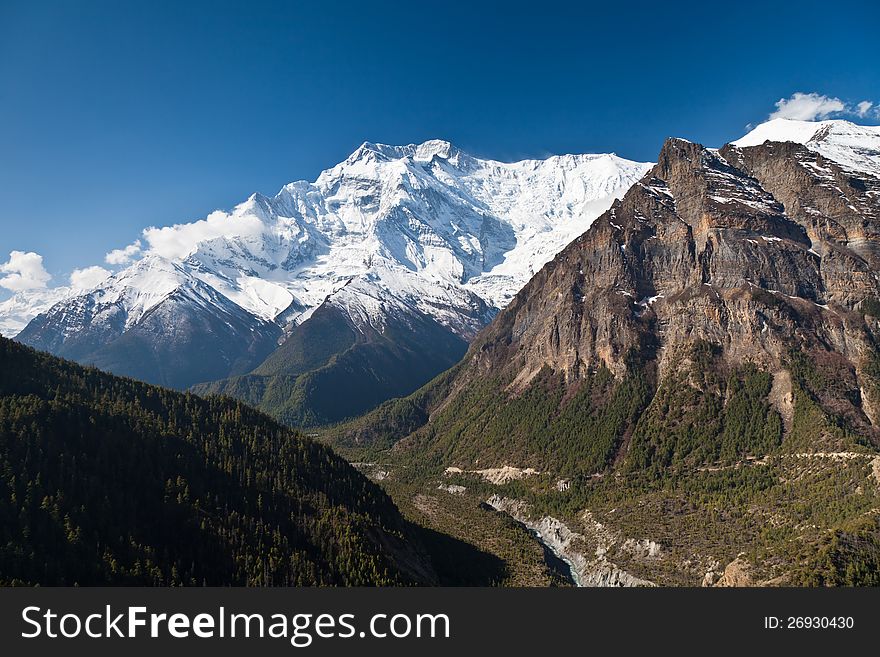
{"x":737,"y":573}
{"x":762,"y":251}
{"x":569,"y":546}
{"x":699,"y":249}
{"x":837,"y":209}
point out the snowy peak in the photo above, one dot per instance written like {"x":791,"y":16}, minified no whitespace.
{"x":413,"y":217}
{"x":143,"y":285}
{"x":781,"y":130}
{"x":129,"y":295}
{"x":419,"y":230}
{"x":424,"y":152}
{"x":368,"y":151}
{"x":854,"y":147}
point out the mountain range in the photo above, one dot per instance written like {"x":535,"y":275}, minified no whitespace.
{"x":332,"y":296}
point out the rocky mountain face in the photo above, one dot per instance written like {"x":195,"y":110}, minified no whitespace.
{"x":701,"y":365}
{"x":703,"y":249}
{"x":408,"y":251}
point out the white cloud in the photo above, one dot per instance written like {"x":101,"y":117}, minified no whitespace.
{"x":124,"y":256}
{"x":88,"y":277}
{"x":817,"y":107}
{"x":180,"y":240}
{"x":807,"y":107}
{"x":24,"y":271}
{"x":863,"y":108}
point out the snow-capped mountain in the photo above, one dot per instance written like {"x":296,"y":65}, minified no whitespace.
{"x":424,"y":226}
{"x":399,"y":234}
{"x":854,"y":147}
{"x":157,"y":322}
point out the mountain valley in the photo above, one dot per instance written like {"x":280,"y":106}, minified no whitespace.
{"x":579,"y":370}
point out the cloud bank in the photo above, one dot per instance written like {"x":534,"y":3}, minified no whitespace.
{"x":24,"y":271}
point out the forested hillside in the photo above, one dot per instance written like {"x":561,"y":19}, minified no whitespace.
{"x":329,"y":369}
{"x":105,"y":480}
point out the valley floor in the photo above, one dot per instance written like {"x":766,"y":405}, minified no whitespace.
{"x":759,"y":522}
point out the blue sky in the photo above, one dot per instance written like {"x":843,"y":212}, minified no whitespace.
{"x":115,"y":116}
